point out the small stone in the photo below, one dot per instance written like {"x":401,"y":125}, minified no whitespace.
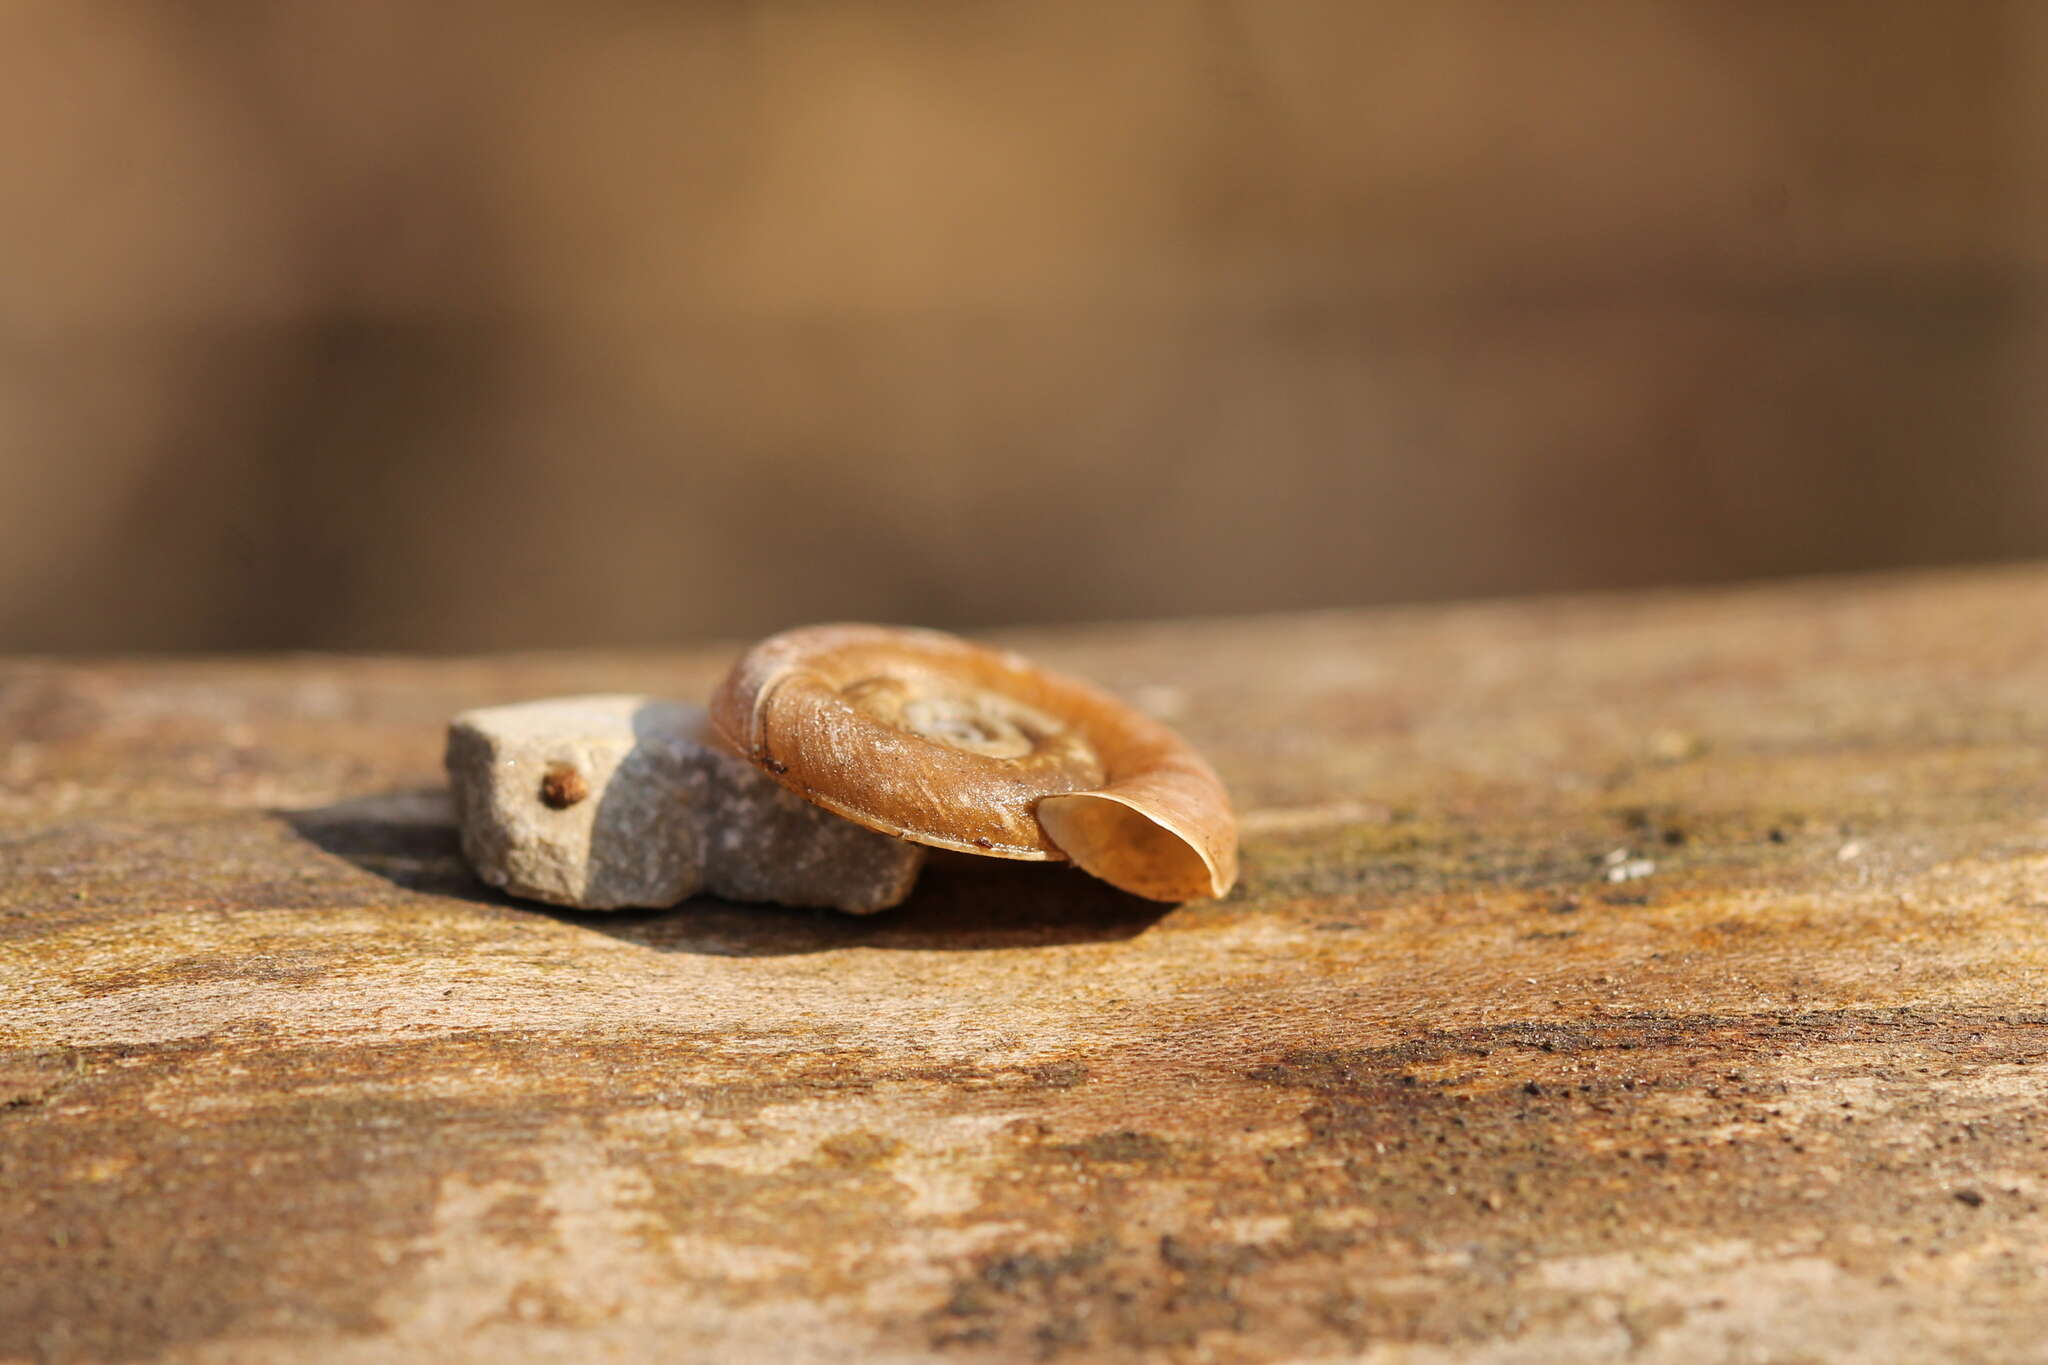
{"x":637,"y":843}
{"x":1623,"y":868}
{"x":562,"y":787}
{"x":765,"y":843}
{"x":610,"y":802}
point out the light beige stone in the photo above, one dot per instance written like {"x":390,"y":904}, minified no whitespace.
{"x":618,"y":801}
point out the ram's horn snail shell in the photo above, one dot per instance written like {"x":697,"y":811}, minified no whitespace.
{"x":947,"y":743}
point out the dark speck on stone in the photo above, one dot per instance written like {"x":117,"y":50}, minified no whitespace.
{"x":562,"y":786}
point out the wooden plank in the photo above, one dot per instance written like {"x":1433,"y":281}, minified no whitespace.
{"x":1657,"y":977}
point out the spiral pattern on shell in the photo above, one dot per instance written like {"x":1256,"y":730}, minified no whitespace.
{"x":947,"y":743}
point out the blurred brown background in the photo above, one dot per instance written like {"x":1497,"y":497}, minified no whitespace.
{"x":386,"y":323}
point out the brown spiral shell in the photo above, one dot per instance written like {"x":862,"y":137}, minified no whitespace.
{"x":942,"y":742}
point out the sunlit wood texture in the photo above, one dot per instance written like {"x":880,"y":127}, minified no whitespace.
{"x":1658,"y":974}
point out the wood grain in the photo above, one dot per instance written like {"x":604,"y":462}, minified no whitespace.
{"x":1653,"y":978}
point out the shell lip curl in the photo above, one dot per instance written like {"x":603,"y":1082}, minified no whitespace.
{"x":943,"y":742}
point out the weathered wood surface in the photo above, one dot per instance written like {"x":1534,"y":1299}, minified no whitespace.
{"x":280,"y":1081}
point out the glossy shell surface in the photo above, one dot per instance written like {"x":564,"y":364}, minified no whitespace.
{"x":952,"y":744}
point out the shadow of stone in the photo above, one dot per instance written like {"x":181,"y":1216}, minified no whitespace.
{"x":406,"y":837}
{"x":961,"y":903}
